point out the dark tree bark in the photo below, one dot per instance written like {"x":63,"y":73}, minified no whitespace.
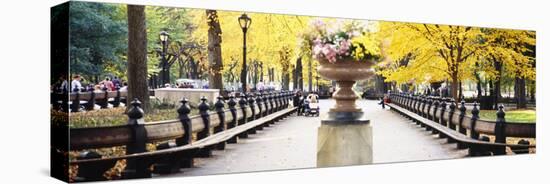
{"x":533,"y":90}
{"x":491,"y":88}
{"x":255,"y":74}
{"x":269,"y":74}
{"x":294,"y":78}
{"x":497,"y":86}
{"x":181,"y":68}
{"x":194,"y":69}
{"x":214,"y":50}
{"x":478,"y":86}
{"x":460,"y":92}
{"x":519,"y":93}
{"x":272,"y":74}
{"x":380,"y":86}
{"x":286,"y":80}
{"x":137,"y":56}
{"x":310,"y":76}
{"x":284,"y":55}
{"x":299,"y":73}
{"x":262,"y":72}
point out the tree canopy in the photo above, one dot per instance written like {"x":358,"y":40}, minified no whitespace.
{"x":428,"y":52}
{"x":264,"y":42}
{"x":412,"y":53}
{"x":98,"y":38}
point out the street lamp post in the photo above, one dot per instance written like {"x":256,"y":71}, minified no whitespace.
{"x":244,"y":22}
{"x":164,"y":75}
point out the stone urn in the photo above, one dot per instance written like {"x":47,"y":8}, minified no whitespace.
{"x":345,"y":72}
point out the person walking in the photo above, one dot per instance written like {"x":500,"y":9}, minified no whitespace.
{"x":383,"y":101}
{"x":296,"y":101}
{"x":303,"y":103}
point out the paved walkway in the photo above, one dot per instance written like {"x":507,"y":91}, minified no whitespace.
{"x":291,"y":144}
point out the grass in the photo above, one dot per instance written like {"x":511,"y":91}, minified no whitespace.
{"x":520,"y":116}
{"x":116,"y":116}
{"x":514,"y":140}
{"x":160,"y":110}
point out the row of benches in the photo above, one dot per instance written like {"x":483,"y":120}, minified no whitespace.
{"x":88,"y":100}
{"x":442,"y":116}
{"x":175,"y":148}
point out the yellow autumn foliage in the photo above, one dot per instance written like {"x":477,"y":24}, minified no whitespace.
{"x":418,"y":53}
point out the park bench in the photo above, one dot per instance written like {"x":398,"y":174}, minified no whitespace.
{"x":432,"y":113}
{"x":176,"y":148}
{"x":88,"y":100}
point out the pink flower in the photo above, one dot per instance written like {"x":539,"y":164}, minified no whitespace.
{"x":317,"y":50}
{"x":344,"y":47}
{"x":317,"y":41}
{"x":329,"y":51}
{"x":326,"y":49}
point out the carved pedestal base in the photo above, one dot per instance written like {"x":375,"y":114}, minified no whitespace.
{"x":344,"y":143}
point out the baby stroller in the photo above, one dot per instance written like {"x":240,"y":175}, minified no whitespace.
{"x":311,"y":106}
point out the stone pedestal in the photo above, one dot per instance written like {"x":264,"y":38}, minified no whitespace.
{"x":344,"y":142}
{"x":174,"y":95}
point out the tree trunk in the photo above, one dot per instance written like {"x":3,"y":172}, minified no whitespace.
{"x":255,"y":76}
{"x":379,"y":85}
{"x":310,"y":76}
{"x":272,"y":77}
{"x":269,"y":75}
{"x":262,"y":73}
{"x":137,"y":56}
{"x":155,"y":81}
{"x":404,"y":88}
{"x":214,"y":50}
{"x":497,"y":86}
{"x":460,"y":92}
{"x":519,"y":93}
{"x":194,"y":68}
{"x":299,"y":71}
{"x":454,"y":87}
{"x":294,"y":78}
{"x":478,"y":87}
{"x":181,"y":68}
{"x":497,"y":97}
{"x":286,"y":80}
{"x":533,"y":90}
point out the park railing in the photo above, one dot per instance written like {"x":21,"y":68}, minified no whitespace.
{"x":177,"y":141}
{"x":450,"y":120}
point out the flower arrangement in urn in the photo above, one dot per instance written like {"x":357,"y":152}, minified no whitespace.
{"x":343,"y":40}
{"x":346,"y":51}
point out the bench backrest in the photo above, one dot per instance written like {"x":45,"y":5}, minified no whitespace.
{"x":439,"y":114}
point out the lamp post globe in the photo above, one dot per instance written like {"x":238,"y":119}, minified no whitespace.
{"x":244,"y":22}
{"x":163,"y":36}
